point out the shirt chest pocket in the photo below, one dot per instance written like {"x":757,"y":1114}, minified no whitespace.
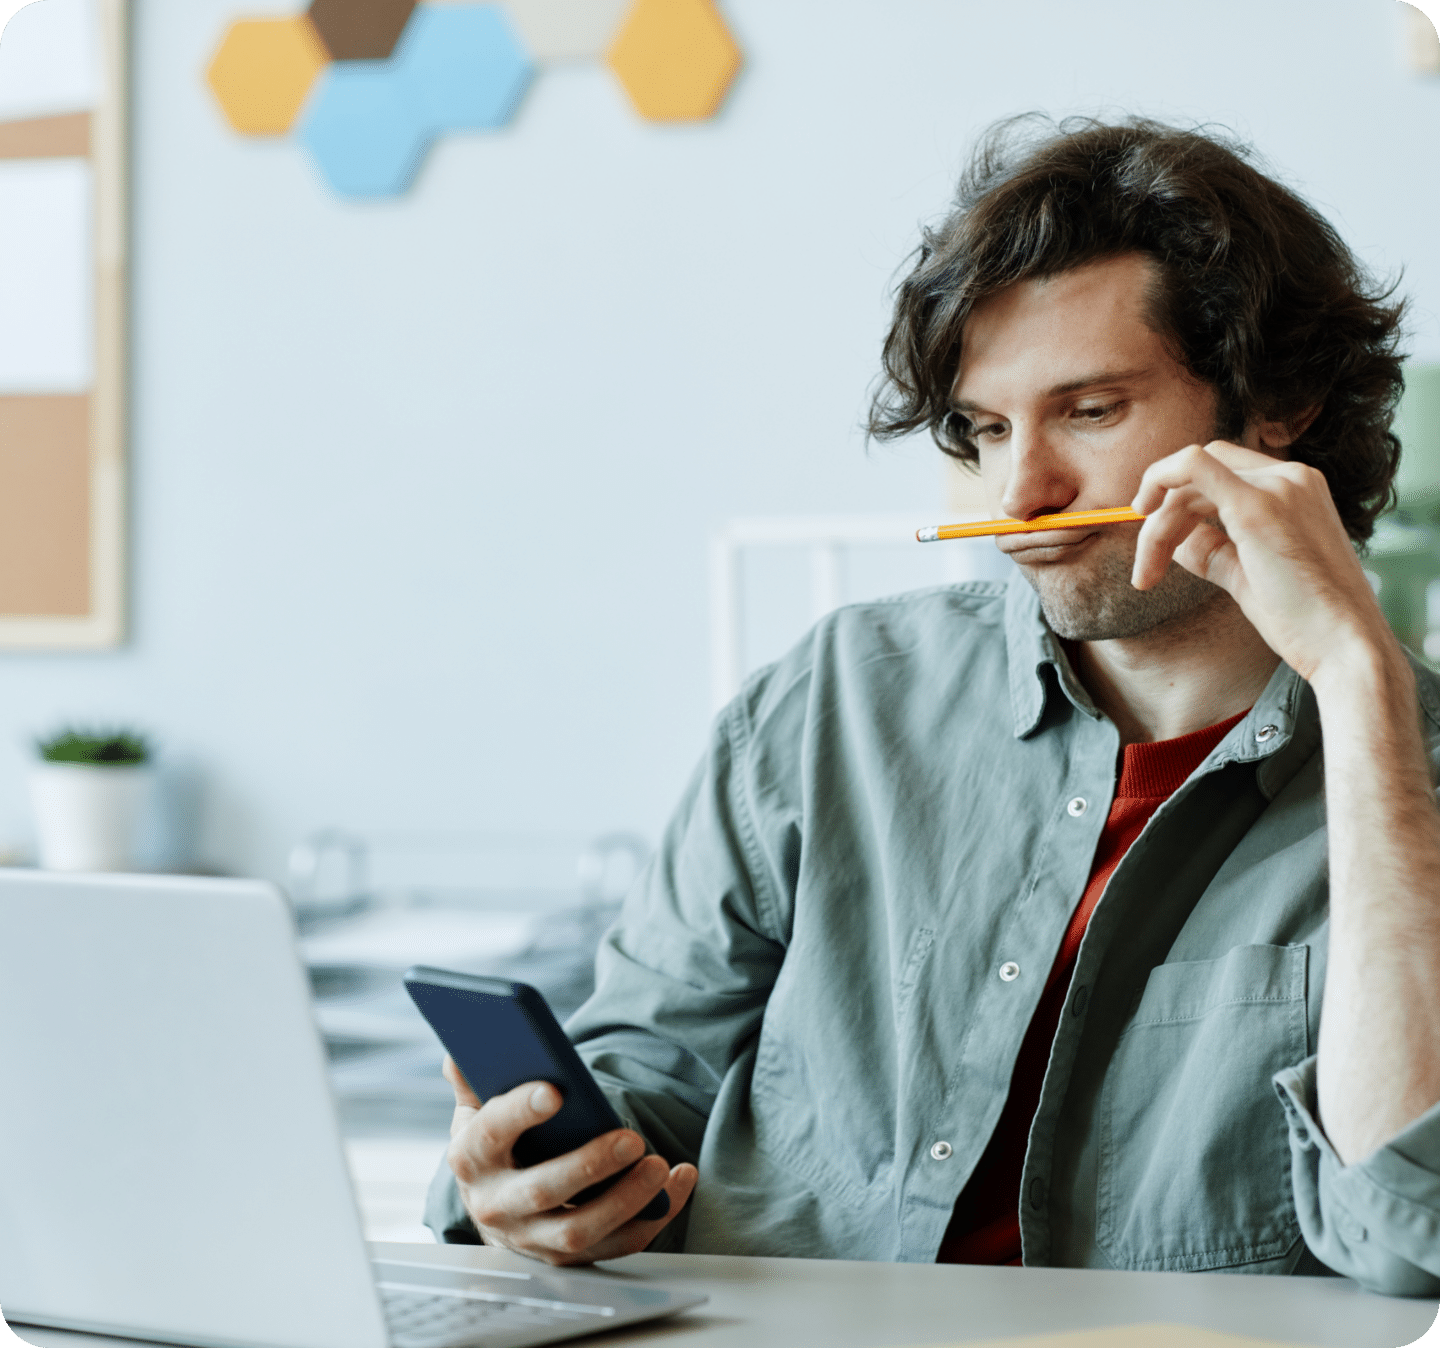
{"x":1194,"y":1164}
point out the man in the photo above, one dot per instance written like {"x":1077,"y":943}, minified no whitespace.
{"x":1034,"y":919}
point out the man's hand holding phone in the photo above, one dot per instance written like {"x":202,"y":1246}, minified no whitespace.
{"x":525,"y":1209}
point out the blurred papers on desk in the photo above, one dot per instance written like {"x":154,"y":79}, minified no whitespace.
{"x":400,"y":937}
{"x":528,"y":909}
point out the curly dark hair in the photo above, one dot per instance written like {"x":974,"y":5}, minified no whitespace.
{"x":1257,"y":295}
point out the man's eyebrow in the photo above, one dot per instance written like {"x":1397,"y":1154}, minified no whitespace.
{"x":1091,"y":380}
{"x":1069,"y":386}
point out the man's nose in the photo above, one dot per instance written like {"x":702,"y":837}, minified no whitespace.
{"x":1038,"y":480}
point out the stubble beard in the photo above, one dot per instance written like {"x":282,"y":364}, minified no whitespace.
{"x":1098,"y":603}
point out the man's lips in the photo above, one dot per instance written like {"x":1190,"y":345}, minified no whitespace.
{"x":1043,"y":543}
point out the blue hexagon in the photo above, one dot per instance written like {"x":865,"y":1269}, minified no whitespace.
{"x":366,"y":131}
{"x":463,"y":65}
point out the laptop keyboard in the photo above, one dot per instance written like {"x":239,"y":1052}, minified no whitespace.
{"x":427,"y":1320}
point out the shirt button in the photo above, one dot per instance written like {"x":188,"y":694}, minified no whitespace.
{"x":1037,"y":1194}
{"x":1009,"y":971}
{"x":941,"y":1151}
{"x":1267,"y":732}
{"x":1078,"y":1002}
{"x":1078,"y":806}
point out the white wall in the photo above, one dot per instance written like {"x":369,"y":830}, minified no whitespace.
{"x":421,"y":488}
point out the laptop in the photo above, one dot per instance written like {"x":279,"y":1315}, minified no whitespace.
{"x":170,"y":1161}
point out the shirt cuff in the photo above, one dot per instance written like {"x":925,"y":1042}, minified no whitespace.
{"x":445,"y":1214}
{"x":1377,"y":1220}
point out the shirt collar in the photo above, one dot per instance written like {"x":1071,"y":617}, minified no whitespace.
{"x":1281,"y":731}
{"x":1030,"y":646}
{"x":1283,"y":727}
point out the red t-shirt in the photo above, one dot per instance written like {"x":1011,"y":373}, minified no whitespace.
{"x":985,"y":1226}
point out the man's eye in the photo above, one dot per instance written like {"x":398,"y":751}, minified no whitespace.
{"x":973,"y":431}
{"x":1097,"y":413}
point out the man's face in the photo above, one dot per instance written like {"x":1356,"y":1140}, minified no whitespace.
{"x":1071,"y":397}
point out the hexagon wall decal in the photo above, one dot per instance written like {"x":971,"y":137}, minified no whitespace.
{"x":676,"y":59}
{"x":368,"y":84}
{"x":462,"y":66}
{"x":366,"y":133}
{"x":360,"y":30}
{"x":567,"y":30}
{"x":262,"y":71}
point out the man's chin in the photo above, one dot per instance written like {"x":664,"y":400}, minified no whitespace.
{"x":1099,"y":604}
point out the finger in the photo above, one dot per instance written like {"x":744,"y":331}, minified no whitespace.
{"x":1209,"y":552}
{"x":575,"y":1230}
{"x":1224,"y":472}
{"x":466,"y":1101}
{"x":635,"y":1236}
{"x":1190,"y":488}
{"x":512,"y":1206}
{"x":463,"y":1094}
{"x":1183,"y":510}
{"x":1240,"y":492}
{"x":487,"y":1140}
{"x":609,"y":1226}
{"x":550,"y":1184}
{"x":1239,"y":459}
{"x":1182,"y":468}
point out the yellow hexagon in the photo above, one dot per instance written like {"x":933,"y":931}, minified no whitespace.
{"x":676,"y":59}
{"x":263,"y":70}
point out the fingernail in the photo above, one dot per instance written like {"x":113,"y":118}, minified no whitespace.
{"x":540,"y":1099}
{"x":628,"y":1148}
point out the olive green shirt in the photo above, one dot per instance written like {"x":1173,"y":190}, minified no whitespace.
{"x":812,"y":993}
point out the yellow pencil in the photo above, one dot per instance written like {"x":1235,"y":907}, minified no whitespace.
{"x":1078,"y":519}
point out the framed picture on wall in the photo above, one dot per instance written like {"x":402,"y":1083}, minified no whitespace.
{"x":62,"y":325}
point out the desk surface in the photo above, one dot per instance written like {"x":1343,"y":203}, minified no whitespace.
{"x":757,"y":1303}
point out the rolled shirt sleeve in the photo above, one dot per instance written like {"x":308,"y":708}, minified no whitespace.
{"x":1378,"y":1220}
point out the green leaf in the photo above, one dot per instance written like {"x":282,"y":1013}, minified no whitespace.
{"x":118,"y":747}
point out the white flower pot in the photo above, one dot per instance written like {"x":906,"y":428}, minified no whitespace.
{"x":86,"y":814}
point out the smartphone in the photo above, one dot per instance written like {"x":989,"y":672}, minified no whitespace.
{"x":502,"y":1035}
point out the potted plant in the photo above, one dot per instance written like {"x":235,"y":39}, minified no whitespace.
{"x":88,"y":791}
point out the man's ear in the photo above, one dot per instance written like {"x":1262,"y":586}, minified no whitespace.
{"x":1275,"y":437}
{"x":1279,"y":435}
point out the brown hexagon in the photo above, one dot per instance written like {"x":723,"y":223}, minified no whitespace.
{"x":262,"y":71}
{"x":360,"y":30}
{"x":676,"y":59}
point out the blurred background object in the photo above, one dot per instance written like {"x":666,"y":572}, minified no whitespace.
{"x":64,"y":217}
{"x":1403,"y":557}
{"x":773,"y":576}
{"x":88,"y":790}
{"x":527,"y":908}
{"x":368,"y":88}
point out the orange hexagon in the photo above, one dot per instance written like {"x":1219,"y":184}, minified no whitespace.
{"x":263,"y":70}
{"x":676,"y":59}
